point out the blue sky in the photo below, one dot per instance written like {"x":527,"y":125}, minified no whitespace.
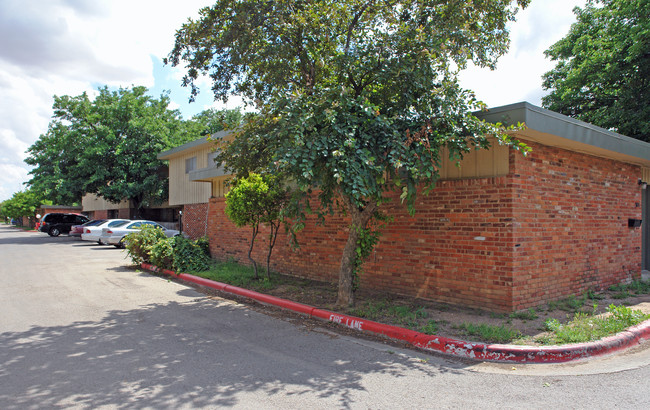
{"x":66,"y":47}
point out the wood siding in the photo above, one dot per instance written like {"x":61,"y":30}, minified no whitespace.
{"x":91,"y":202}
{"x":482,"y":163}
{"x":183,"y":191}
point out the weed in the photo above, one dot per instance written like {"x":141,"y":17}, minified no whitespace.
{"x":430,"y":328}
{"x":575,"y":303}
{"x":623,"y":294}
{"x":237,"y":275}
{"x":585,"y":327}
{"x":529,"y":314}
{"x":370,"y":310}
{"x":570,"y":304}
{"x":594,"y":296}
{"x":640,"y":287}
{"x":491,"y":333}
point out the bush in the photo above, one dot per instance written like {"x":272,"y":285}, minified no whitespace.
{"x":150,"y":245}
{"x":190,"y":256}
{"x":162,"y":253}
{"x":140,"y":243}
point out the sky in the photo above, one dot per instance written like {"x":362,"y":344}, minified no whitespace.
{"x":66,"y":47}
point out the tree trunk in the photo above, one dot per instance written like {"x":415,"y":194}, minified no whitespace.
{"x":360,"y":219}
{"x":137,"y":207}
{"x":272,"y":237}
{"x":250,"y":250}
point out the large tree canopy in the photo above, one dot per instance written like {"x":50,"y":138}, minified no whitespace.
{"x":108,"y":146}
{"x":354,"y":97}
{"x":602,"y":74}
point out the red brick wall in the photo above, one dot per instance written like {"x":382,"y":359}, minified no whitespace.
{"x":72,"y":210}
{"x":571,"y":233}
{"x":437,"y":254}
{"x":555,"y":226}
{"x":195,"y":222}
{"x":101,"y":214}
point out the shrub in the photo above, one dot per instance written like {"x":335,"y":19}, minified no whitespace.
{"x":190,"y":256}
{"x":162,"y":253}
{"x":140,"y":243}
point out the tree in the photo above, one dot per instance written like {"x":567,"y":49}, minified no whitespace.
{"x":108,"y":147}
{"x":355,"y":97}
{"x":23,"y":203}
{"x":254,"y":200}
{"x":217,"y":120}
{"x":602,"y":74}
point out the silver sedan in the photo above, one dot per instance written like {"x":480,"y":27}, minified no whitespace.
{"x":115,"y":235}
{"x":92,"y":233}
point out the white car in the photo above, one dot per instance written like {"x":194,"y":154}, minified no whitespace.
{"x":92,"y":233}
{"x":115,"y":235}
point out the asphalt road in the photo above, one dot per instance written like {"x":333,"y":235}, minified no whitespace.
{"x":80,"y":329}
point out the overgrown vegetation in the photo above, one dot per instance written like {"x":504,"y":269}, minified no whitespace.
{"x":149,"y":244}
{"x":585,"y":327}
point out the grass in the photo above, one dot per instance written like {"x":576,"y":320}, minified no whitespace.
{"x":490,"y":333}
{"x":403,"y":315}
{"x":529,"y":314}
{"x":430,"y":328}
{"x":235,"y":274}
{"x":637,"y":287}
{"x":586,"y":327}
{"x":584,"y":324}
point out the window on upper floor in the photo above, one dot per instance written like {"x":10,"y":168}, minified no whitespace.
{"x":190,"y":165}
{"x":211,"y":157}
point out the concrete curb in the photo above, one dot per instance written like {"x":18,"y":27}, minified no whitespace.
{"x":459,"y":348}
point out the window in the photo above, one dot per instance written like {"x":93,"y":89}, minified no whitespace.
{"x":211,"y":156}
{"x":190,"y":165}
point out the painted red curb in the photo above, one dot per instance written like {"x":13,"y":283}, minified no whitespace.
{"x":459,"y":348}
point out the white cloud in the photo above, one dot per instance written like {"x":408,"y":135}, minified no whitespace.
{"x":518,"y":76}
{"x":66,"y":47}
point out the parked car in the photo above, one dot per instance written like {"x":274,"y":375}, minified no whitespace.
{"x":92,"y":233}
{"x":116,"y":235}
{"x":77,"y":230}
{"x":54,"y":224}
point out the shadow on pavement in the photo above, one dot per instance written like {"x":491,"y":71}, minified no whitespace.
{"x":163,"y":355}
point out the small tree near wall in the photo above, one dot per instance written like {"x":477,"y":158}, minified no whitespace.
{"x":253,"y":200}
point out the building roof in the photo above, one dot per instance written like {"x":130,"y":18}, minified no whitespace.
{"x":550,"y":128}
{"x":196,"y":144}
{"x":542,"y":126}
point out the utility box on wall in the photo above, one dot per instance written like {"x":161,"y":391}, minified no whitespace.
{"x":634,"y":223}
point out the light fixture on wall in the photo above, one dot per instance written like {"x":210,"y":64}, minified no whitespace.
{"x":643,"y":184}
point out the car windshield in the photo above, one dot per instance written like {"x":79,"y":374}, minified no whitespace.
{"x":117,"y":223}
{"x":120,"y":224}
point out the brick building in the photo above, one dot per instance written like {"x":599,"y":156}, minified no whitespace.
{"x":502,"y":232}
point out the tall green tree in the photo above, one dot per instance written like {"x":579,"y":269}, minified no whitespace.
{"x":108,"y":146}
{"x":215,"y":120}
{"x":602,"y":74}
{"x":355,"y":97}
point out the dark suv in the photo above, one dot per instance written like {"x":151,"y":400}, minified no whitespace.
{"x":55,"y":224}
